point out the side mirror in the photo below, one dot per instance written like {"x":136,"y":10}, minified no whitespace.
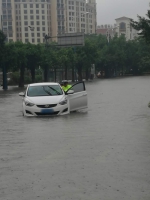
{"x":70,"y":92}
{"x":22,"y":94}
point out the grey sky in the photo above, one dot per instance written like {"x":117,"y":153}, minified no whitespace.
{"x":109,"y":10}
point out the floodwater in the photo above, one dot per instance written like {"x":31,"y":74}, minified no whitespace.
{"x":102,"y":154}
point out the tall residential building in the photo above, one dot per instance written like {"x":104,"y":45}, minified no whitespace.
{"x":31,"y":20}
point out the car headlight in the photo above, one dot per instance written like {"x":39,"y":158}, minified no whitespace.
{"x":27,"y":103}
{"x":63,"y":102}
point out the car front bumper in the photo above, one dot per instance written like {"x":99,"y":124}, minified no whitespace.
{"x":52,"y":111}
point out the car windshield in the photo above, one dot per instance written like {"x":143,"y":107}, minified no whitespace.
{"x":44,"y":90}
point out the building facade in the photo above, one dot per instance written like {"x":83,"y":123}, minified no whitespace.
{"x":123,"y":27}
{"x":31,"y":20}
{"x":106,"y":30}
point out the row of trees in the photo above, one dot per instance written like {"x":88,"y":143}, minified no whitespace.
{"x":114,"y":57}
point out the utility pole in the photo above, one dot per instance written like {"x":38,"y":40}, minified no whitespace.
{"x":31,"y":29}
{"x":46,"y":66}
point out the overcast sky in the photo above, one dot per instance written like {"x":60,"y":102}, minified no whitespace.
{"x":109,"y":10}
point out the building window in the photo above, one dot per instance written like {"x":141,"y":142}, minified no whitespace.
{"x":26,"y":29}
{"x":38,"y":28}
{"x":9,"y":12}
{"x":33,"y":40}
{"x":43,"y":17}
{"x":38,"y":40}
{"x":31,"y":11}
{"x":31,"y":5}
{"x":25,"y":17}
{"x":25,"y":23}
{"x":32,"y":23}
{"x":43,"y":29}
{"x":43,"y":12}
{"x":37,"y":5}
{"x":32,"y":34}
{"x":43,"y":23}
{"x":25,"y":11}
{"x":38,"y":34}
{"x":37,"y":11}
{"x":26,"y":40}
{"x":31,"y":17}
{"x":37,"y":17}
{"x":26,"y":34}
{"x":37,"y":23}
{"x":25,"y":5}
{"x":4,"y":23}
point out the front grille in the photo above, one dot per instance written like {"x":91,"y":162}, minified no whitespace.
{"x":44,"y":114}
{"x":47,"y":106}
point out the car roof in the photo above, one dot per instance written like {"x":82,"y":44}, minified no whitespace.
{"x":45,"y":83}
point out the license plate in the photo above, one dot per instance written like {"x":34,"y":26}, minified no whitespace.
{"x":47,"y":111}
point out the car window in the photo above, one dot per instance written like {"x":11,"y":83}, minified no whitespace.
{"x":44,"y":90}
{"x":78,"y":87}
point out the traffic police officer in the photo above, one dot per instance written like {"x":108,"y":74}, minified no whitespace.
{"x":65,"y":86}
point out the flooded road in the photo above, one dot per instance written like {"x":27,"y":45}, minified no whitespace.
{"x":103,"y":154}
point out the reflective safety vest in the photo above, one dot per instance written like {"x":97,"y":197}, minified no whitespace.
{"x":66,"y":88}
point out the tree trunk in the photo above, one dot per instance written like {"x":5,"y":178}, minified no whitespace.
{"x":73,"y":74}
{"x":80,"y":73}
{"x":33,"y":74}
{"x":66,"y":72}
{"x":87,"y":74}
{"x":46,"y":73}
{"x":21,"y":79}
{"x":55,"y":74}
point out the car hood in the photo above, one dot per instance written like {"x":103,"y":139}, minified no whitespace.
{"x":45,"y":99}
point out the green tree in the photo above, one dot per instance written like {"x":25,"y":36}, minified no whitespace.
{"x":143,"y":26}
{"x":33,"y":58}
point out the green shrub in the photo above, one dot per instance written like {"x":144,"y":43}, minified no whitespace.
{"x":27,"y":79}
{"x":15,"y":78}
{"x":38,"y":78}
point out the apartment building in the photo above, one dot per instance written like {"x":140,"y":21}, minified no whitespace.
{"x":26,"y":20}
{"x":31,"y":20}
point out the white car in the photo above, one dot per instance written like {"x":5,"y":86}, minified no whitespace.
{"x":42,"y":99}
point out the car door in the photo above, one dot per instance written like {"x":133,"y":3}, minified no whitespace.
{"x":78,"y":100}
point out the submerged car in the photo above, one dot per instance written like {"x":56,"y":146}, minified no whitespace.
{"x":42,"y":99}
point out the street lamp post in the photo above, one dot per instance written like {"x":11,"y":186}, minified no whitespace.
{"x":31,"y":29}
{"x":46,"y":72}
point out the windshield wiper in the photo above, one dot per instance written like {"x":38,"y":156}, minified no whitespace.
{"x":54,"y":90}
{"x":47,"y":91}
